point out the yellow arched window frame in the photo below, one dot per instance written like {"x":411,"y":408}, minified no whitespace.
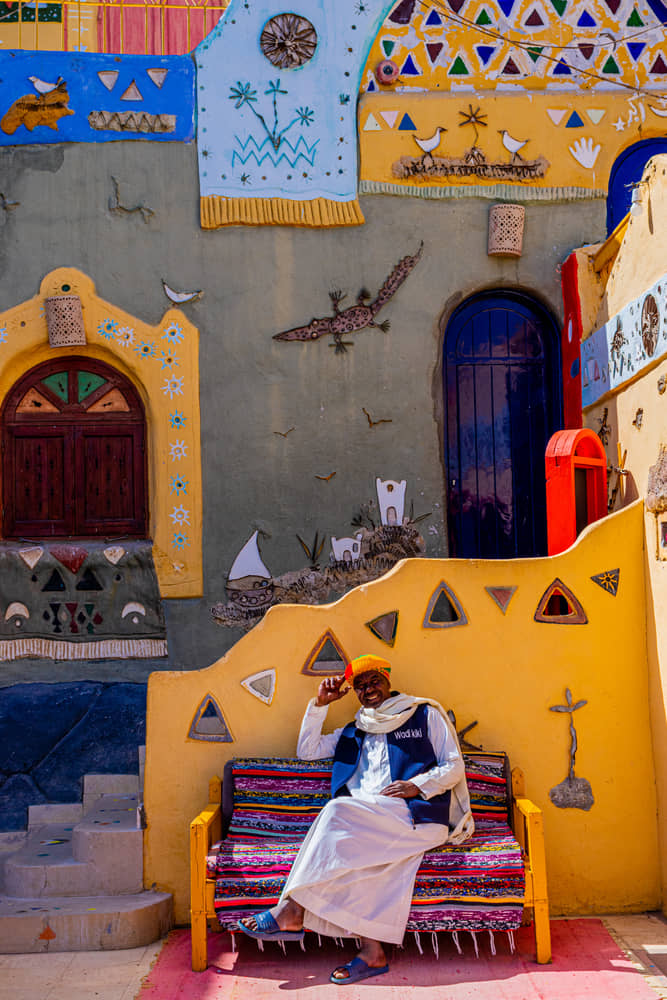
{"x":162,"y":362}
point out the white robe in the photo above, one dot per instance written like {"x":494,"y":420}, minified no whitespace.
{"x":336,"y":876}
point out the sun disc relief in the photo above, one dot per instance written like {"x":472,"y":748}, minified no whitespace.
{"x":288,"y":40}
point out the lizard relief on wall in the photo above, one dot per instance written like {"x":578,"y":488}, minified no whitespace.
{"x":357,"y":317}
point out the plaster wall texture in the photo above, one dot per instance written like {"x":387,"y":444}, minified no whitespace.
{"x":505,"y":671}
{"x":257,"y":282}
{"x":641,"y":261}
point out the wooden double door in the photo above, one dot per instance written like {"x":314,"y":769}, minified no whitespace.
{"x":502,"y":403}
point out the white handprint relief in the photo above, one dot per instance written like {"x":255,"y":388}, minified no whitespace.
{"x":585,"y":152}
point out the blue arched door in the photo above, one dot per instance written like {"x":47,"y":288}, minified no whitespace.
{"x":626,"y":171}
{"x":502,"y":402}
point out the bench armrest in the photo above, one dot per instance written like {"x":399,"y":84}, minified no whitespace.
{"x":205,"y":829}
{"x":529,"y":831}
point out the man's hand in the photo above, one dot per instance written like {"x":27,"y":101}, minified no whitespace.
{"x":330,"y":690}
{"x":401,"y":790}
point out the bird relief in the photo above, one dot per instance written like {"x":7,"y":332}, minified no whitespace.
{"x":474,"y":161}
{"x":357,"y":317}
{"x":46,"y":107}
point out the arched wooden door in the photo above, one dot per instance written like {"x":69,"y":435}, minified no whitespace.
{"x":73,"y":446}
{"x":502,"y":404}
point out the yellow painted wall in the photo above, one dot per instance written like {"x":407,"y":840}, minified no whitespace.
{"x":503,"y":670}
{"x":640,"y":262}
{"x":172,"y":352}
{"x":580,"y":159}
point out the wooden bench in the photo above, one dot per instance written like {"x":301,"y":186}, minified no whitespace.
{"x":257,"y":816}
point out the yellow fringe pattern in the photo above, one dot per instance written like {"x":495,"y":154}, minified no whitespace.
{"x":318,"y":213}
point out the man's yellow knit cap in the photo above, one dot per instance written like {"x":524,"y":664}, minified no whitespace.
{"x":362,"y":664}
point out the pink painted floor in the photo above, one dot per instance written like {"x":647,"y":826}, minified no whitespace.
{"x":587,"y":965}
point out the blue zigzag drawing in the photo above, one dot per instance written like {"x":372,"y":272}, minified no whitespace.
{"x":300,"y":151}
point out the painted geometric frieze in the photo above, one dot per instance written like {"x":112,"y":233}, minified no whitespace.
{"x":276,"y":118}
{"x":72,"y":602}
{"x":632,"y":341}
{"x":85,"y":97}
{"x":518,"y":44}
{"x":442,"y":112}
{"x":163,"y":362}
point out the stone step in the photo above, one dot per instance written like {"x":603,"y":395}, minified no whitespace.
{"x":86,"y":923}
{"x":67,"y":813}
{"x":95,"y":786}
{"x":101,"y":854}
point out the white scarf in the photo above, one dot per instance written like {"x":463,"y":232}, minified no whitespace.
{"x":392,"y":714}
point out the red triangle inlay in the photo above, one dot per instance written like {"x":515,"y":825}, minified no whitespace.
{"x":456,"y":5}
{"x":659,"y":66}
{"x":613,"y":5}
{"x":586,"y":49}
{"x":511,"y":68}
{"x":534,"y":21}
{"x":71,"y":556}
{"x":434,"y":49}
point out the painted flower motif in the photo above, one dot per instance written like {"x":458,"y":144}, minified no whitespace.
{"x":169,"y":360}
{"x":179,"y":541}
{"x":242,"y":94}
{"x":145,"y":349}
{"x":107,"y":328}
{"x":177,"y":419}
{"x":179,"y":485}
{"x":125,"y":336}
{"x":173,"y":386}
{"x":3,"y":334}
{"x":173,"y":333}
{"x":305,"y":116}
{"x":178,"y":450}
{"x":180,"y":516}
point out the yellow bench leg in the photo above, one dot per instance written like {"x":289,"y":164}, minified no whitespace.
{"x":199,"y":932}
{"x":542,"y":932}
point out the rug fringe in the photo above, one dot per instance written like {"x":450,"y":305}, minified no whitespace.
{"x":457,"y":943}
{"x":434,"y":943}
{"x":474,"y":939}
{"x":418,"y":942}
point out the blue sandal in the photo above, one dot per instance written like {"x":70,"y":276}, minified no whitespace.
{"x":357,"y":969}
{"x":268,"y":929}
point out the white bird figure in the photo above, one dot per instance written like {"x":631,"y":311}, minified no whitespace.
{"x":432,"y":143}
{"x":512,"y":145}
{"x":42,"y":87}
{"x":180,"y":297}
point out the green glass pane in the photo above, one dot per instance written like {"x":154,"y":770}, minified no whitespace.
{"x":610,"y":66}
{"x":87,"y":383}
{"x":58,"y":384}
{"x":388,"y":47}
{"x":483,"y":18}
{"x":635,"y":21}
{"x":559,"y":6}
{"x":459,"y":68}
{"x":535,"y":51}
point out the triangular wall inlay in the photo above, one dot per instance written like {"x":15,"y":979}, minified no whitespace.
{"x":502,"y":596}
{"x":384,"y":627}
{"x":444,"y":609}
{"x":326,"y":657}
{"x":609,"y":580}
{"x":209,"y":724}
{"x":262,"y":685}
{"x":559,"y":606}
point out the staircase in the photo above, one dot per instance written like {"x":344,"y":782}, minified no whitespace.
{"x":76,"y":882}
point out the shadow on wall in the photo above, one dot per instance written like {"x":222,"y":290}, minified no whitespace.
{"x":53,"y":734}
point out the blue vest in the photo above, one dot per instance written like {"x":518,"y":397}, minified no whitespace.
{"x":410,"y":753}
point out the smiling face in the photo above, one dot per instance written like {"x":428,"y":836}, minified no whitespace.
{"x":371,"y":688}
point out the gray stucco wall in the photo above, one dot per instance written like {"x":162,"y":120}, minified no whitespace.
{"x":258,"y":282}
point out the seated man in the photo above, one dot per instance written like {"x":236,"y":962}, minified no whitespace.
{"x":398,"y":790}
